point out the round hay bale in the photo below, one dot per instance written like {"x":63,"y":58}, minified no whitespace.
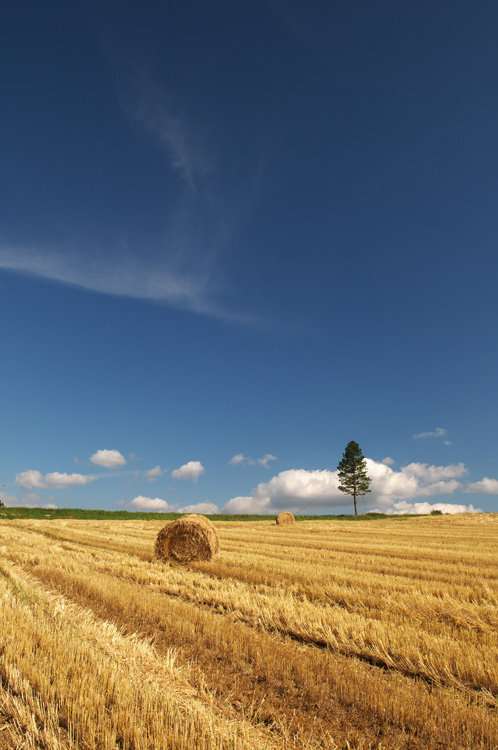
{"x":285,"y":518}
{"x":189,"y":539}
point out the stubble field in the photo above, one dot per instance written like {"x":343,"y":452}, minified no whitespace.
{"x":370,"y":634}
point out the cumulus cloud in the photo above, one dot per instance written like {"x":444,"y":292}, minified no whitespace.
{"x":59,"y":481}
{"x":403,"y":506}
{"x":413,"y":480}
{"x":438,"y":432}
{"x":388,"y":461}
{"x":241,"y":459}
{"x":190,"y":471}
{"x":33,"y":479}
{"x":152,"y":474}
{"x":434,"y":473}
{"x":298,"y":489}
{"x":153,"y":504}
{"x":200,"y":508}
{"x":486,"y":486}
{"x":30,"y":479}
{"x":289,"y":490}
{"x":110,"y":459}
{"x":49,"y":506}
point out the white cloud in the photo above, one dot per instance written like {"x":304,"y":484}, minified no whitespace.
{"x":30,"y":479}
{"x":414,"y":480}
{"x":152,"y":503}
{"x":290,"y":490}
{"x":388,"y":461}
{"x":264,"y":461}
{"x":438,"y":432}
{"x":152,"y":474}
{"x":486,"y":486}
{"x":33,"y":479}
{"x":434,"y":473}
{"x":110,"y":459}
{"x":200,"y":508}
{"x":298,"y":489}
{"x":49,"y":506}
{"x":447,"y":442}
{"x":251,"y":504}
{"x":189,"y":471}
{"x":59,"y":481}
{"x":403,"y":506}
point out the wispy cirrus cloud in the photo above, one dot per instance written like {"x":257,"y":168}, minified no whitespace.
{"x":152,"y":109}
{"x":180,"y":264}
{"x":121,"y":276}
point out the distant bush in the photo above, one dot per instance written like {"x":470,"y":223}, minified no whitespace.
{"x":436,"y":512}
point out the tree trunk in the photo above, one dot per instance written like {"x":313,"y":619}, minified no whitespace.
{"x":355,"y":508}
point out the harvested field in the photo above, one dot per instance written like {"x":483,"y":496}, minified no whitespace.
{"x":379,"y":635}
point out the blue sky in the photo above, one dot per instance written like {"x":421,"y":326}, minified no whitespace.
{"x":236,"y":236}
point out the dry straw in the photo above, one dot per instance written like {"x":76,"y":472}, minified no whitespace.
{"x":188,"y":539}
{"x":285,"y":518}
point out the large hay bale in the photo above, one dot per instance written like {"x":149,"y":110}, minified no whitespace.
{"x":285,"y":518}
{"x":191,"y":538}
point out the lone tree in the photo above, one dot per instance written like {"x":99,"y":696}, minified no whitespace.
{"x":353,"y":477}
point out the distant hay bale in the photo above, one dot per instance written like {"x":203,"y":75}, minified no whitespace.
{"x":285,"y":518}
{"x":189,"y":539}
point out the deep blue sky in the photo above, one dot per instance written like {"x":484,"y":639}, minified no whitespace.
{"x":248,"y":229}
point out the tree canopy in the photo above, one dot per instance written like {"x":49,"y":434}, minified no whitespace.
{"x":353,"y":477}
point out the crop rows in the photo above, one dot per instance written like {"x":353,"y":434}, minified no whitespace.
{"x":379,"y":634}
